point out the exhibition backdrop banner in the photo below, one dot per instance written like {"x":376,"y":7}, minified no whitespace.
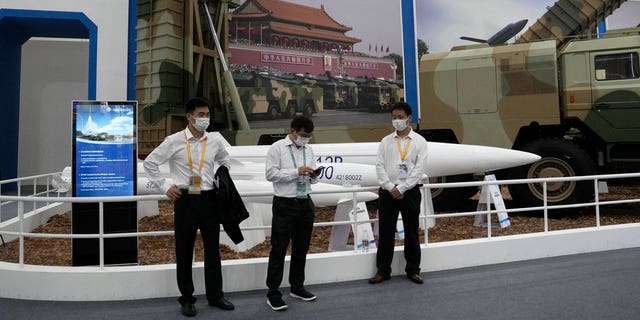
{"x":104,"y":148}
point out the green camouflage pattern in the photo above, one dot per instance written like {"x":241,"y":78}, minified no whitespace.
{"x":339,"y":92}
{"x":608,"y":102}
{"x":262,"y":93}
{"x":164,"y":81}
{"x":159,"y":69}
{"x":567,"y":19}
{"x":486,"y":94}
{"x":490,"y":95}
{"x":577,"y":106}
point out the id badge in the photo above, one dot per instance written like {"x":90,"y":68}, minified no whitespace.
{"x":403,"y":170}
{"x":194,"y":184}
{"x":301,"y":189}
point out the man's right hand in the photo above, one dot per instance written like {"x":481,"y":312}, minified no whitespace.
{"x":174,"y":193}
{"x":305,"y":171}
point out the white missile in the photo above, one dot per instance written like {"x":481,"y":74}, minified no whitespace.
{"x":320,"y":199}
{"x":263,"y":186}
{"x":248,"y":178}
{"x":348,"y":174}
{"x":444,"y":159}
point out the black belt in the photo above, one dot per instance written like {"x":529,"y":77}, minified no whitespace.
{"x":185,"y":192}
{"x":292,"y":199}
{"x":417,"y":187}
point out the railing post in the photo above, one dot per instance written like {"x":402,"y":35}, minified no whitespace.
{"x":545,"y":209}
{"x":101,"y":222}
{"x":48,"y":182}
{"x":21,"y":226}
{"x":488,"y":201}
{"x":35,"y":191}
{"x":427,"y":209}
{"x":354,"y":202}
{"x":597,"y":201}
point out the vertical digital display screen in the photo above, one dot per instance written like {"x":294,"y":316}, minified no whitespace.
{"x":104,"y":148}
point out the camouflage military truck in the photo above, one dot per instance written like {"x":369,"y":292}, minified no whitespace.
{"x":369,"y":94}
{"x":373,"y":95}
{"x":262,"y":93}
{"x":577,"y":106}
{"x":390,"y":93}
{"x":339,"y":93}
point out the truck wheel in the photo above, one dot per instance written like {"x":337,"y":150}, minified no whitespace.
{"x":273,"y":112}
{"x":445,"y":199}
{"x":308,"y":110}
{"x":560,"y":158}
{"x":291,"y":111}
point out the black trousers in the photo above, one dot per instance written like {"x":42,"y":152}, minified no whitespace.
{"x":193,"y":212}
{"x":292,"y":220}
{"x":388,"y":209}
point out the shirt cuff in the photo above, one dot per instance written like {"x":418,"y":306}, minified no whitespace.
{"x":165,"y":188}
{"x":168,"y":183}
{"x":388,"y":186}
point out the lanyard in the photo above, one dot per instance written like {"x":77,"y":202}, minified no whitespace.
{"x":204,"y":150}
{"x":304,"y":157}
{"x":403,"y":153}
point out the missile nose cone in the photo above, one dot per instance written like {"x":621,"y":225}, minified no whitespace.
{"x":525,"y":157}
{"x":451,"y":159}
{"x":521,"y":23}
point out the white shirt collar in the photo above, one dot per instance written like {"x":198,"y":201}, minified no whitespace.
{"x":395,"y":134}
{"x":288,"y":142}
{"x":191,"y":136}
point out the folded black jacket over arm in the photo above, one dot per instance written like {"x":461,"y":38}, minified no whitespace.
{"x":231,"y":209}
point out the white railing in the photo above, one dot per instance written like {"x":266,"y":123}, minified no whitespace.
{"x":36,"y":197}
{"x":34,"y":182}
{"x":545,"y":206}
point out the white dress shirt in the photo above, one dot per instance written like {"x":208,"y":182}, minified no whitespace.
{"x":174,"y":150}
{"x":389,"y":159}
{"x":280,"y":169}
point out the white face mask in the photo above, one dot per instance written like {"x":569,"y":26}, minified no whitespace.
{"x":399,"y":124}
{"x":302,"y":141}
{"x":201,"y":124}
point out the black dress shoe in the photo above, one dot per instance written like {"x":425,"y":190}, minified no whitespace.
{"x":222,"y":303}
{"x":378,"y":278}
{"x":188,"y":310}
{"x":415,"y":278}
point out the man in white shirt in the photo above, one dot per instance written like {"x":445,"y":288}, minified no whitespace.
{"x":290,"y":166}
{"x":192,"y":155}
{"x":401,"y":163}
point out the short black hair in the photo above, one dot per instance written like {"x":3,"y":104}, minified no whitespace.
{"x":301,"y":122}
{"x":193,"y":103}
{"x":402,"y":106}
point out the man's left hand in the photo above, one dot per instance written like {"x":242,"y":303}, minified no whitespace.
{"x":395,"y":193}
